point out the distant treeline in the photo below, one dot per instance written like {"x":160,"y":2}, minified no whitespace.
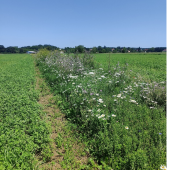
{"x":15,"y":49}
{"x":79,"y":49}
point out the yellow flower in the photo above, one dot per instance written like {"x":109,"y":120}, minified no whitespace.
{"x":163,"y":167}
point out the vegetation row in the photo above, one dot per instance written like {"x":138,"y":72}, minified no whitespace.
{"x":121,"y":117}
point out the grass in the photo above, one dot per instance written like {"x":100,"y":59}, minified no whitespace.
{"x":66,"y":150}
{"x":150,"y":67}
{"x":120,"y":114}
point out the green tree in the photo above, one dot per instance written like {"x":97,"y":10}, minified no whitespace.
{"x":115,"y":50}
{"x":104,"y":51}
{"x":124,"y":50}
{"x":79,"y":48}
{"x":152,"y":49}
{"x":118,"y":49}
{"x":10,"y":50}
{"x":94,"y":50}
{"x":139,"y":50}
{"x":21,"y":50}
{"x":99,"y":48}
{"x":2,"y":49}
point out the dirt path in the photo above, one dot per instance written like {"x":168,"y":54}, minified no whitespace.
{"x":67,"y":152}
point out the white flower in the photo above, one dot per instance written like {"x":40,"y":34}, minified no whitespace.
{"x":114,"y":96}
{"x":133,"y":101}
{"x":126,"y":127}
{"x":91,"y":73}
{"x":113,"y":115}
{"x":100,"y":100}
{"x":99,"y":78}
{"x":110,"y":81}
{"x":117,"y":74}
{"x":94,"y":98}
{"x":98,"y":110}
{"x":101,"y":116}
{"x":115,"y":100}
{"x":103,"y":76}
{"x":162,"y":82}
{"x":104,"y":105}
{"x":74,"y":77}
{"x":89,"y":110}
{"x":119,"y":95}
{"x":163,"y":167}
{"x":97,"y":94}
{"x":73,"y":83}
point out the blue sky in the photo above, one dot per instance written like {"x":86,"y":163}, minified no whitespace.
{"x":69,"y":23}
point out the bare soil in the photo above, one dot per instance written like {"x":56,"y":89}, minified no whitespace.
{"x":58,"y":124}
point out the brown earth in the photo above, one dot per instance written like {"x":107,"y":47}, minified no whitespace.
{"x":72,"y":154}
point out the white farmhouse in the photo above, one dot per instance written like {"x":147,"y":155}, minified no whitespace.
{"x":30,"y":52}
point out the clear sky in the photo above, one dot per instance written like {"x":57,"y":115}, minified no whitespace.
{"x":69,"y":23}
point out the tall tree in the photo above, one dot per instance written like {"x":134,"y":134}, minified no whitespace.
{"x":124,"y":50}
{"x":79,"y":49}
{"x":99,"y":48}
{"x":2,"y":49}
{"x":139,"y":49}
{"x":94,"y":50}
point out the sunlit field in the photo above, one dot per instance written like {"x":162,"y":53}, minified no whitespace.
{"x":149,"y":66}
{"x":23,"y":133}
{"x":117,"y":103}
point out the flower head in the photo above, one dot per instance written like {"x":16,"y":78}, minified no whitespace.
{"x":126,"y":127}
{"x":119,"y":95}
{"x":101,"y":116}
{"x":163,"y":167}
{"x":113,"y":115}
{"x":91,"y":73}
{"x":100,"y":100}
{"x":133,"y":101}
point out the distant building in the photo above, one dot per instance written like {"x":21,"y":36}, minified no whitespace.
{"x":30,"y":52}
{"x":128,"y":51}
{"x":164,"y":50}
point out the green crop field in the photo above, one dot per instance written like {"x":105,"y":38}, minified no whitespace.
{"x":116,"y":102}
{"x":22,"y":132}
{"x":151,"y":67}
